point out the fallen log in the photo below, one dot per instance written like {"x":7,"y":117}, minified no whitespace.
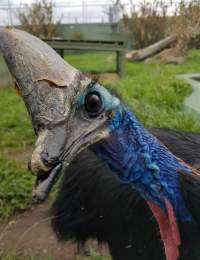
{"x":167,"y":56}
{"x":139,"y":55}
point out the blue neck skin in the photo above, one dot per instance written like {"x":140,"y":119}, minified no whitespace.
{"x":138,"y":158}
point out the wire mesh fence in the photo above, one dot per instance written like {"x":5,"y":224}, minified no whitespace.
{"x":77,"y":11}
{"x":80,"y":11}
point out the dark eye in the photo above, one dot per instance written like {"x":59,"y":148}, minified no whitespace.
{"x":93,"y":104}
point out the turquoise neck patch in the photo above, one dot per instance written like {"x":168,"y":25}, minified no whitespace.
{"x":109,"y":101}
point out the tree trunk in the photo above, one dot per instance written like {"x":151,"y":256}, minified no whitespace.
{"x":151,"y":50}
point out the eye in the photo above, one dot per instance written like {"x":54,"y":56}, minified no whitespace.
{"x":93,"y":104}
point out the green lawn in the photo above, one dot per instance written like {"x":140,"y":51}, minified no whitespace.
{"x":152,"y":91}
{"x":15,"y":127}
{"x":93,"y":61}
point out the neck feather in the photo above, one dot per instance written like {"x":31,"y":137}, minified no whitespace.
{"x":138,"y":158}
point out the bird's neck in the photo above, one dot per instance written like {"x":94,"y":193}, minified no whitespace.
{"x":138,"y":158}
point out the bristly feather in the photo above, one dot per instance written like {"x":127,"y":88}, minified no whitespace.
{"x":129,"y":224}
{"x":91,"y":204}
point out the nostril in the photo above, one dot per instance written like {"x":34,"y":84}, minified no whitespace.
{"x":45,"y":158}
{"x":39,"y":162}
{"x":49,"y":160}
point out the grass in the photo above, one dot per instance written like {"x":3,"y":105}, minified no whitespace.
{"x":15,"y":256}
{"x":157,"y":96}
{"x":93,"y":61}
{"x":15,"y":187}
{"x":152,"y":91}
{"x":15,"y":127}
{"x":16,"y":135}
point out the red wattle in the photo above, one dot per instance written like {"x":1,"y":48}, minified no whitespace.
{"x":168,"y":229}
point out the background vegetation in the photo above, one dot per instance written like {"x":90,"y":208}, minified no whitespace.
{"x":38,"y":19}
{"x":150,"y":22}
{"x":147,"y":24}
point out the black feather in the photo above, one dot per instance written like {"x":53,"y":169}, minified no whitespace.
{"x":190,"y":188}
{"x":92,"y":204}
{"x":183,"y":144}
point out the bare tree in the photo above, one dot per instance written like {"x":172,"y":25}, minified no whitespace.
{"x":38,"y":19}
{"x":147,"y":22}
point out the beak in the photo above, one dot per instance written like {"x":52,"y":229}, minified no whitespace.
{"x":48,"y":85}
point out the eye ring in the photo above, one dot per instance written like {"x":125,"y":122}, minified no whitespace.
{"x":93,"y":104}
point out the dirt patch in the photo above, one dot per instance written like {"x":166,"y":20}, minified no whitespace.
{"x":105,"y":77}
{"x":22,"y":155}
{"x":30,"y":233}
{"x":108,"y":77}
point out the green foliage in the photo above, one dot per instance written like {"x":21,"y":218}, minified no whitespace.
{"x":15,"y":187}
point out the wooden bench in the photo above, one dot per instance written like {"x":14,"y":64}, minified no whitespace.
{"x":61,"y":45}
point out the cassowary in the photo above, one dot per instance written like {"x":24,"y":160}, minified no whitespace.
{"x":151,"y":196}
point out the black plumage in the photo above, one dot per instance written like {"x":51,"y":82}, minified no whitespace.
{"x":184,"y":145}
{"x":90,"y":204}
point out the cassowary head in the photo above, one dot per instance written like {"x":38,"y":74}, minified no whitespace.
{"x":70,"y":112}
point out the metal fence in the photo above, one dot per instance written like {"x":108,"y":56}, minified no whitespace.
{"x":74,"y":11}
{"x":78,"y":11}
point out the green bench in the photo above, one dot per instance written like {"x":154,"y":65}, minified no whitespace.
{"x":60,"y":45}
